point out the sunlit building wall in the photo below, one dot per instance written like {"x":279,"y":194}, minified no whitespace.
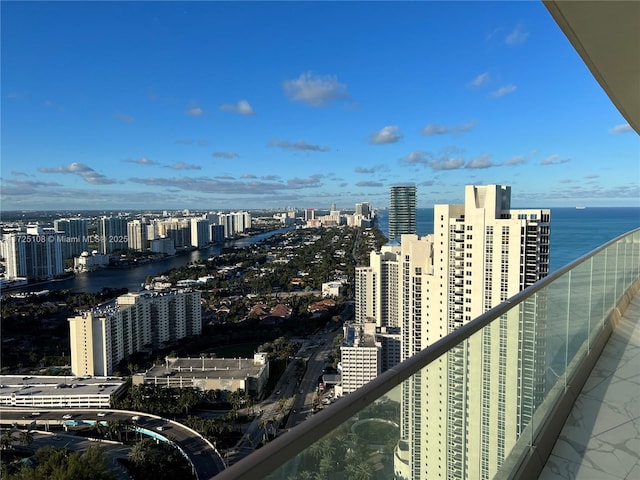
{"x":137,"y":235}
{"x":35,"y":254}
{"x":112,"y":234}
{"x":104,"y":336}
{"x":76,"y":235}
{"x":200,"y":232}
{"x":455,"y":418}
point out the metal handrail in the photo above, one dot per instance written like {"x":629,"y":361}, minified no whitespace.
{"x":285,"y":447}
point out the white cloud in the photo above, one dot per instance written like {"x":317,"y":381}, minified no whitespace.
{"x":624,"y":128}
{"x":299,"y":145}
{"x":502,"y":91}
{"x":432,"y":129}
{"x":480,"y":80}
{"x":517,"y":160}
{"x":195,"y":112}
{"x":242,"y":107}
{"x":484,"y":161}
{"x":225,"y":154}
{"x":388,"y":134}
{"x":84,"y":171}
{"x":554,"y":160}
{"x":141,"y":161}
{"x":315,"y":90}
{"x":516,"y":37}
{"x":183,"y":166}
{"x":369,"y":184}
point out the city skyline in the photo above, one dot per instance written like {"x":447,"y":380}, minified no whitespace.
{"x":265,"y":105}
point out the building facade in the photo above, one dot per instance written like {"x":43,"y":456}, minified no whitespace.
{"x":137,"y":233}
{"x":360,"y":356}
{"x":112,"y":234}
{"x":402,"y":210}
{"x":75,"y":232}
{"x":455,"y":420}
{"x":35,"y":254}
{"x":102,"y":337}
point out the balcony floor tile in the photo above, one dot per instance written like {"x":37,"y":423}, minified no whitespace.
{"x":601,"y":437}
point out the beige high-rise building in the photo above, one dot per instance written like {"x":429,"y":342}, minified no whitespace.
{"x":360,"y":356}
{"x":454,"y":421}
{"x":137,"y":232}
{"x":102,"y":337}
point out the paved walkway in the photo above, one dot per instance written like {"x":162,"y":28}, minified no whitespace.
{"x":601,"y":438}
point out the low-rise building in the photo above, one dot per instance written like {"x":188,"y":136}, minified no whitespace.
{"x":52,"y":391}
{"x":226,"y":374}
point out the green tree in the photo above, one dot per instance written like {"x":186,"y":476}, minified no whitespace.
{"x":7,"y":439}
{"x":26,"y":438}
{"x":61,"y":464}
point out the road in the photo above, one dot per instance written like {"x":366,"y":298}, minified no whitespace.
{"x":204,"y":458}
{"x":298,"y":396}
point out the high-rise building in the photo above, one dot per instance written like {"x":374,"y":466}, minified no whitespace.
{"x":360,"y":356}
{"x":137,"y":232}
{"x":309,"y":214}
{"x":200,"y":232}
{"x":102,"y":337}
{"x":454,"y":420}
{"x":376,"y":288}
{"x":402,"y":210}
{"x":363,"y":209}
{"x":75,"y":236}
{"x":35,"y":254}
{"x":112,"y":234}
{"x":234,"y":222}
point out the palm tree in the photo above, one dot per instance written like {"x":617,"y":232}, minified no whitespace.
{"x":26,"y":438}
{"x":6,"y":441}
{"x":264,"y":423}
{"x":360,"y":471}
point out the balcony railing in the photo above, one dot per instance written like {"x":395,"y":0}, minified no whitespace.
{"x":523,"y":364}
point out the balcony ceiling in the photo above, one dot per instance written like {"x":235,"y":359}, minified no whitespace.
{"x":606,"y":34}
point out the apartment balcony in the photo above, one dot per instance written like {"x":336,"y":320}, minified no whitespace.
{"x":584,"y":315}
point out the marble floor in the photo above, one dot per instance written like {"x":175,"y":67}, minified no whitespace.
{"x":601,"y":437}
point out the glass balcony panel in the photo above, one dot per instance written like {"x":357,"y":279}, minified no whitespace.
{"x":478,"y":408}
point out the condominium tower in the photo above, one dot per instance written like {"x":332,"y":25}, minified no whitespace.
{"x":35,"y":254}
{"x":102,"y":337}
{"x":453,"y":422}
{"x":402,"y":210}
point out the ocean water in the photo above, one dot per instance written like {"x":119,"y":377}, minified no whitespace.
{"x":574,"y":232}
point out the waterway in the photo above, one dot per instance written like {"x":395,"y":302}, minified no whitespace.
{"x":133,"y":278}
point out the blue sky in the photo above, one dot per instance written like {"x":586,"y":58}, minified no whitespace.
{"x":215,"y":105}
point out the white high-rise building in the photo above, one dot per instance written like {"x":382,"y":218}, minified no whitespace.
{"x":360,"y":356}
{"x":103,"y":336}
{"x":75,"y":235}
{"x":35,"y":254}
{"x":454,"y":421}
{"x":200,"y":232}
{"x":234,"y":222}
{"x":377,"y":288}
{"x":112,"y":234}
{"x":137,"y":232}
